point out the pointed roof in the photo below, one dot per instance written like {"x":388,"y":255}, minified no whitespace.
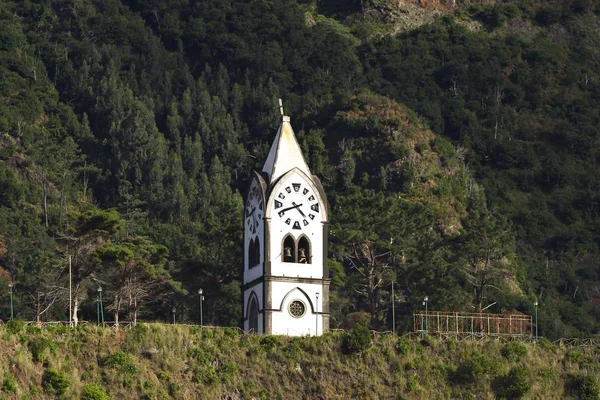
{"x":285,"y":153}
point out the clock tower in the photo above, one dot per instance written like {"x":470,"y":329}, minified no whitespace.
{"x":285,"y":278}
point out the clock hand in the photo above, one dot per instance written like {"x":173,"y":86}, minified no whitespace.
{"x":289,"y":208}
{"x":299,"y":210}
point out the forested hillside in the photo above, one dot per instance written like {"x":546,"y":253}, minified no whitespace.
{"x":460,"y":158}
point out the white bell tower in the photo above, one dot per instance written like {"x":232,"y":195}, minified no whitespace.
{"x":286,"y":278}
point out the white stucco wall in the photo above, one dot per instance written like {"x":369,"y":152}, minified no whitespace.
{"x":313,"y":232}
{"x":283,"y":323}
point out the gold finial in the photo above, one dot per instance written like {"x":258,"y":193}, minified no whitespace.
{"x":281,"y":107}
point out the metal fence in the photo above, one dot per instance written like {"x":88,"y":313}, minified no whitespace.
{"x":444,"y":323}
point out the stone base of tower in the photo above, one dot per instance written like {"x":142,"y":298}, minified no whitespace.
{"x":292,"y":306}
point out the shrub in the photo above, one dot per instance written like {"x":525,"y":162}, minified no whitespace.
{"x":269,"y":342}
{"x":357,"y":340}
{"x":403,"y":346}
{"x":231,"y":332}
{"x":15,"y":326}
{"x":120,"y":361}
{"x":94,"y":391}
{"x":514,"y":351}
{"x":9,"y":385}
{"x":582,"y":387}
{"x":55,"y":382}
{"x":514,"y":385}
{"x":37,"y":347}
{"x":228,"y":371}
{"x":33,"y":330}
{"x":474,"y":367}
{"x":207,"y":375}
{"x":293,"y":349}
{"x":174,"y":389}
{"x":546,"y":345}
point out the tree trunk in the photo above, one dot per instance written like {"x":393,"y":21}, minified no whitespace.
{"x":75,"y":308}
{"x":134,"y":311}
{"x":38,"y":301}
{"x":117,"y":306}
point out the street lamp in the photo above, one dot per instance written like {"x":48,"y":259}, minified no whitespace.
{"x":200,"y":297}
{"x":100,"y":308}
{"x":317,"y":314}
{"x":536,"y":319}
{"x":12,"y":311}
{"x":174,"y":310}
{"x":425,"y":300}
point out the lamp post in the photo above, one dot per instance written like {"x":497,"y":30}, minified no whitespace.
{"x":536,"y":319}
{"x":425,"y":300}
{"x":317,"y":315}
{"x":12,"y":311}
{"x":200,"y":298}
{"x":100,"y":308}
{"x":174,"y":310}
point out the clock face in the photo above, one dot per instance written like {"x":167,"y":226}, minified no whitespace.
{"x":254,"y":209}
{"x":296,"y":205}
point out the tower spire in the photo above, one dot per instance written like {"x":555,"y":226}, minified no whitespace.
{"x":281,"y":107}
{"x":285,"y":153}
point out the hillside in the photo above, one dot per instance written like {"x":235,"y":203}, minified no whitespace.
{"x":460,"y":148}
{"x":164,"y":361}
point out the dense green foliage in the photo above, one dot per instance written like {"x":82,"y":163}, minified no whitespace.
{"x":128,"y":130}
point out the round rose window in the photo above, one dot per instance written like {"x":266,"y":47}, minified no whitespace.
{"x":297,"y":308}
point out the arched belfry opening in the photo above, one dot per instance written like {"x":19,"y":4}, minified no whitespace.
{"x":289,"y":249}
{"x":304,"y":254}
{"x":253,"y":252}
{"x":253,"y":313}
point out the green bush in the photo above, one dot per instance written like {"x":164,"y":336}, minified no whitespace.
{"x":120,"y":361}
{"x":55,"y":382}
{"x":94,"y":391}
{"x":582,"y":387}
{"x":33,"y":330}
{"x":206,"y":375}
{"x":514,"y":351}
{"x":231,"y":332}
{"x":357,"y":340}
{"x":174,"y":388}
{"x":475,"y":367}
{"x":9,"y":385}
{"x":514,"y":385}
{"x":38,"y":345}
{"x":546,"y":345}
{"x":293,"y":348}
{"x":269,"y":342}
{"x":15,"y":326}
{"x":403,"y":346}
{"x":228,"y":371}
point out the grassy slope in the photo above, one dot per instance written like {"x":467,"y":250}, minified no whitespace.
{"x":162,"y":361}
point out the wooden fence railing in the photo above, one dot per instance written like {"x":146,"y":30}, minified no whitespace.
{"x":566,"y":342}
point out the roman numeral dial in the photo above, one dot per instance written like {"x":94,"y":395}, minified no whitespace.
{"x":296,"y":205}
